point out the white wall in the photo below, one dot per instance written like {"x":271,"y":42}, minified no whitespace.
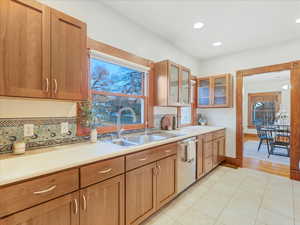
{"x":106,"y":26}
{"x":270,"y":85}
{"x":230,"y":64}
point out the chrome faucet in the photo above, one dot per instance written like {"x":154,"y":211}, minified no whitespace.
{"x":119,"y":130}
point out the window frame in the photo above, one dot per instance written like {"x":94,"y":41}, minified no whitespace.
{"x":263,"y":95}
{"x":145,"y":82}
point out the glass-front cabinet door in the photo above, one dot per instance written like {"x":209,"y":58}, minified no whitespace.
{"x":219,"y":91}
{"x":185,"y":86}
{"x":204,"y":93}
{"x":174,"y":84}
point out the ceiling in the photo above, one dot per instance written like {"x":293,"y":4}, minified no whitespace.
{"x":239,"y":25}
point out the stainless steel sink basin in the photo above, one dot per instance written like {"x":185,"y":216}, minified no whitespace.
{"x":122,"y":142}
{"x":141,"y":139}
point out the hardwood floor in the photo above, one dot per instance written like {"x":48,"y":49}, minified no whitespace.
{"x":269,"y":167}
{"x":262,"y":165}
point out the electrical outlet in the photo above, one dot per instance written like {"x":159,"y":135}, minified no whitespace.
{"x":28,"y":130}
{"x":64,"y":127}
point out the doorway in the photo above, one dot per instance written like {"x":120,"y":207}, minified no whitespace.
{"x":270,"y":114}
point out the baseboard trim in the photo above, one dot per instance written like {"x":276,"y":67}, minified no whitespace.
{"x":233,"y":161}
{"x":295,"y":175}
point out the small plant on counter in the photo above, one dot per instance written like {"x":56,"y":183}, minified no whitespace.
{"x":88,"y":118}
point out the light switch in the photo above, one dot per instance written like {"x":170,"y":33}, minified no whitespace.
{"x":28,"y":130}
{"x":64,"y":127}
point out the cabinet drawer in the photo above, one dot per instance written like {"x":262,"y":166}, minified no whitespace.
{"x":100,"y":171}
{"x":208,"y":150}
{"x":24,"y":195}
{"x":208,"y":137}
{"x":208,"y":164}
{"x":219,"y":134}
{"x":142,"y":158}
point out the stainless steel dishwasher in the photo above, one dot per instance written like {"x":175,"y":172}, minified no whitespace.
{"x":186,"y":163}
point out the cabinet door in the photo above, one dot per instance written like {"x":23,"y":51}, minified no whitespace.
{"x":204,"y":92}
{"x":185,"y":87}
{"x":166,"y":180}
{"x":174,"y":74}
{"x":200,"y":155}
{"x":140,"y":194}
{"x":62,"y":211}
{"x":103,"y":202}
{"x":68,"y":57}
{"x":220,"y":91}
{"x":208,"y":156}
{"x":222,"y":144}
{"x":215,"y":152}
{"x":25,"y":48}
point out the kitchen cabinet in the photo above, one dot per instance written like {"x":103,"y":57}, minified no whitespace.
{"x":215,"y":91}
{"x":62,"y":211}
{"x":44,"y":52}
{"x":172,"y":84}
{"x":25,"y":49}
{"x":140,"y":193}
{"x":103,"y":202}
{"x":166,"y":180}
{"x":148,"y":188}
{"x":200,"y":149}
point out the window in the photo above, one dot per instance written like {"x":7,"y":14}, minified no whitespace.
{"x":115,"y":86}
{"x":262,"y":108}
{"x":185,"y":116}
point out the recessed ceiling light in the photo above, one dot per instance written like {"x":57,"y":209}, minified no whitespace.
{"x":198,"y":25}
{"x":298,"y":20}
{"x":216,"y":44}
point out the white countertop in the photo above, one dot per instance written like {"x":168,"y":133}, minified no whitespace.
{"x":58,"y":158}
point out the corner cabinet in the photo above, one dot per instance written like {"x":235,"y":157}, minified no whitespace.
{"x":172,"y":84}
{"x":215,"y":91}
{"x":43,"y":52}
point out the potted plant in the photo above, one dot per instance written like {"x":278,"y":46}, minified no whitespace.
{"x":89,"y":119}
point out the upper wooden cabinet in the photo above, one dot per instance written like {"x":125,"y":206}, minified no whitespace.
{"x":43,"y":52}
{"x":172,"y":84}
{"x":215,"y":91}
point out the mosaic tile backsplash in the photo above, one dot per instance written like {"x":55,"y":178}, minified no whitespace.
{"x":47,"y":132}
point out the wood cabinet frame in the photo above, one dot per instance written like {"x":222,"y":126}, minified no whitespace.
{"x":228,"y":92}
{"x":162,"y":72}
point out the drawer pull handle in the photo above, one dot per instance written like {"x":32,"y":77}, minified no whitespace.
{"x":143,"y":159}
{"x":84,"y":203}
{"x":167,"y":151}
{"x":45,"y":191}
{"x":105,"y":171}
{"x":75,"y":206}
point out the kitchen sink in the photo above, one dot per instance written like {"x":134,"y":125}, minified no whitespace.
{"x":141,"y":139}
{"x":122,"y":142}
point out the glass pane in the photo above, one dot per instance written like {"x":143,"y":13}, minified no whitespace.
{"x":203,"y":92}
{"x":263,"y":113}
{"x":114,"y":78}
{"x":107,"y":107}
{"x":220,"y":91}
{"x":186,"y":115}
{"x":185,"y":87}
{"x":174,"y":79}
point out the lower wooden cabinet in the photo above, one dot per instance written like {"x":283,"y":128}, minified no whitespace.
{"x":148,"y":188}
{"x":166,"y":180}
{"x":103,"y":203}
{"x":200,"y":166}
{"x":140,"y":193}
{"x":61,"y":211}
{"x":210,"y":152}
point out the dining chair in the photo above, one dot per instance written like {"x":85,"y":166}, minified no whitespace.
{"x":281,"y":140}
{"x":263,"y":135}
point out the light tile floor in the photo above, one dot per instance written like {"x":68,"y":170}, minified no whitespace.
{"x":234,"y":197}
